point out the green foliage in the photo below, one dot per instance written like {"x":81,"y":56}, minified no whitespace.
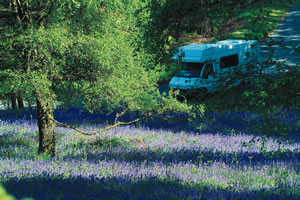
{"x":279,"y":90}
{"x":5,"y":196}
{"x":95,"y":51}
{"x":271,"y":96}
{"x":257,"y":20}
{"x":167,"y":19}
{"x":101,"y":58}
{"x":44,"y":156}
{"x":111,"y":142}
{"x":168,"y":72}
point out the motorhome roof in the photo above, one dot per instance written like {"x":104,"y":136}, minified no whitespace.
{"x":198,"y":52}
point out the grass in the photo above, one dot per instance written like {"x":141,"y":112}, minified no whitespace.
{"x":151,"y":163}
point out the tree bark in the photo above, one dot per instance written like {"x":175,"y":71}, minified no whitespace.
{"x":29,"y":105}
{"x":8,"y":104}
{"x":13,"y":101}
{"x":46,"y":126}
{"x":20,"y":102}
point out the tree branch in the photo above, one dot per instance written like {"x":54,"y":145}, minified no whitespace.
{"x":43,"y":16}
{"x":58,"y":124}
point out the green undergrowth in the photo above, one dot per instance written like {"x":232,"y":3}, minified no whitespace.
{"x":269,"y":99}
{"x":165,"y":75}
{"x":258,"y":21}
{"x":5,"y":196}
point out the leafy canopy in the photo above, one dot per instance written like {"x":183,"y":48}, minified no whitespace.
{"x":88,"y":49}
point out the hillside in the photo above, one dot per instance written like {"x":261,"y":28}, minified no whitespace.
{"x":255,"y":21}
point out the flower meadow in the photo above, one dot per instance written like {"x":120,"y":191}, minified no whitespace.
{"x":215,"y":159}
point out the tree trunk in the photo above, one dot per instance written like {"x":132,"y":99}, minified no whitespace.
{"x":29,"y":105}
{"x":20,"y":102}
{"x":8,"y":104}
{"x":13,"y":101}
{"x":46,"y":126}
{"x":177,"y":30}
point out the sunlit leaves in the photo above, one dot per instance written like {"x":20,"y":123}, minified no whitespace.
{"x":4,"y":195}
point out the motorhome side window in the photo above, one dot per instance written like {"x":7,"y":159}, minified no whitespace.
{"x":229,"y":61}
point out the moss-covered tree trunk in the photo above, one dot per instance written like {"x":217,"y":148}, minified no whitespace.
{"x":46,"y":126}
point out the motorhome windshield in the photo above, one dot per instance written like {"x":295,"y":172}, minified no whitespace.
{"x":190,"y":69}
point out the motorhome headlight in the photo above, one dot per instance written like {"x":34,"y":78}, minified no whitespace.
{"x":173,"y":84}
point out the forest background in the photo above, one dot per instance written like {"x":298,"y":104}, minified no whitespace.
{"x":111,"y":55}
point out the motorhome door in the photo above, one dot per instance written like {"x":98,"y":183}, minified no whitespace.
{"x":208,"y":76}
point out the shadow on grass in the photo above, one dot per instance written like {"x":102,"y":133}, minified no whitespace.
{"x":221,"y":123}
{"x":196,"y":156}
{"x":50,"y":188}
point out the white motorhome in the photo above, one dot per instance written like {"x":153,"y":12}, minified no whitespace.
{"x":201,"y":65}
